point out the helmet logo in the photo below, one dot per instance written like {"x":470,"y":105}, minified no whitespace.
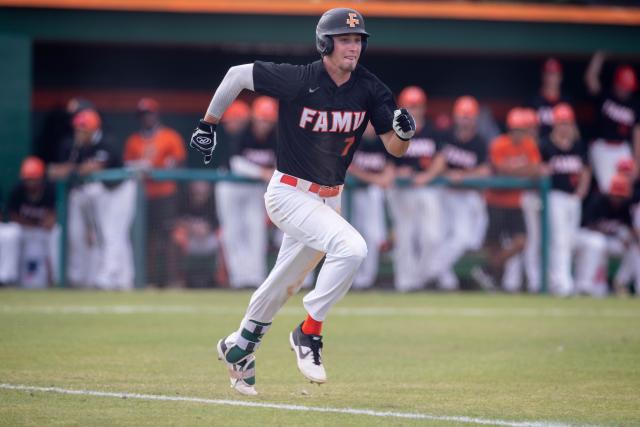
{"x":353,"y":20}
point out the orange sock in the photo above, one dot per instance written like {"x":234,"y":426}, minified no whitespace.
{"x":311,"y":326}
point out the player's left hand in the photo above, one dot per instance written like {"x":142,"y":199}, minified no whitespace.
{"x":403,"y":124}
{"x":203,"y":139}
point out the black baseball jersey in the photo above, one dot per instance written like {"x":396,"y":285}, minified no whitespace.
{"x":601,"y":213}
{"x":565,"y":165}
{"x":371,"y":156}
{"x":616,"y":118}
{"x":424,"y":147}
{"x":544,"y":108}
{"x":32,"y":210}
{"x":99,"y":151}
{"x":320,"y":124}
{"x":262,"y":153}
{"x":464,"y":155}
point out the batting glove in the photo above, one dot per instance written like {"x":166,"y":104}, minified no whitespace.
{"x":403,"y":124}
{"x":204,"y":140}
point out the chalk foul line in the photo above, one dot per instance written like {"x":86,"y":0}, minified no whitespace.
{"x":286,"y":407}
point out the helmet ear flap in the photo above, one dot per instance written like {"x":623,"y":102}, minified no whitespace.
{"x":324,"y":44}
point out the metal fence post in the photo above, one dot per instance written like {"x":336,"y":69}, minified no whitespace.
{"x":140,"y":233}
{"x":545,"y":185}
{"x":62,"y":188}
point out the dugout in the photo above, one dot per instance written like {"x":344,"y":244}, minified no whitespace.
{"x":115,"y":51}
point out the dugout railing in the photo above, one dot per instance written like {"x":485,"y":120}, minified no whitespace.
{"x":139,"y":229}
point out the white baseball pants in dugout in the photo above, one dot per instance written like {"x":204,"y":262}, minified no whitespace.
{"x":604,"y":157}
{"x":565,"y":211}
{"x":240,"y":208}
{"x":313,"y":227}
{"x":416,"y":214}
{"x":368,"y":217}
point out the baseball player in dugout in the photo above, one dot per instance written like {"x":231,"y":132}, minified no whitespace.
{"x":512,"y":154}
{"x":157,"y":146}
{"x":31,"y":209}
{"x":617,"y":134}
{"x":415,"y":238}
{"x":549,"y":95}
{"x":100,"y":214}
{"x":463,"y":156}
{"x":565,"y":160}
{"x":372,"y":167}
{"x":324,"y":107}
{"x":240,"y":204}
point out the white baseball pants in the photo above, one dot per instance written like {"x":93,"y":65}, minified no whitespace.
{"x":313,"y":228}
{"x":368,"y":217}
{"x":241,"y":212}
{"x":564,"y":220}
{"x":466,"y":213}
{"x":604,"y":158}
{"x":115,"y":215}
{"x":9,"y":252}
{"x":531,"y":209}
{"x":417,"y":222}
{"x":85,"y":241}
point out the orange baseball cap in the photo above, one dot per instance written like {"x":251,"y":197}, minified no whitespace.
{"x":625,"y":165}
{"x":620,"y":186}
{"x":518,"y":118}
{"x":412,"y":96}
{"x":148,"y":105}
{"x":265,"y":108}
{"x":563,"y":113}
{"x":552,"y":65}
{"x":625,"y":77}
{"x":87,"y":120}
{"x":32,"y":168}
{"x":466,"y":106}
{"x":531,"y":117}
{"x":238,"y":110}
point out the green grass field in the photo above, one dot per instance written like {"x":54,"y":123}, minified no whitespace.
{"x":503,"y":359}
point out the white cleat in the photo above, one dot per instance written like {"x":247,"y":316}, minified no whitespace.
{"x":242,"y":374}
{"x":308,"y":351}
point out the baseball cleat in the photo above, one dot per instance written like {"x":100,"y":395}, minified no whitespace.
{"x":242,"y":374}
{"x":308,"y":351}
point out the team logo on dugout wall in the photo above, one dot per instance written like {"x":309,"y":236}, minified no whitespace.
{"x":353,"y":20}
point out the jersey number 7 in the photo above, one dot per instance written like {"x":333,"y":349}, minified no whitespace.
{"x":349,"y":141}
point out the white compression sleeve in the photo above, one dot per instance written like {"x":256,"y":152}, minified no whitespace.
{"x":237,"y":78}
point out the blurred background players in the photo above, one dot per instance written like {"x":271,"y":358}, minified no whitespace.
{"x":196,"y":235}
{"x":241,"y":204}
{"x":463,"y":156}
{"x":512,"y":154}
{"x":99,"y":214}
{"x":415,"y":209}
{"x":610,"y":214}
{"x":155,"y":146}
{"x":32,"y":208}
{"x":549,"y":95}
{"x":372,"y":167}
{"x":617,"y":133}
{"x":565,"y":160}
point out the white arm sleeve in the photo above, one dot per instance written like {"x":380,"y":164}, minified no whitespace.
{"x":237,"y":78}
{"x":243,"y":167}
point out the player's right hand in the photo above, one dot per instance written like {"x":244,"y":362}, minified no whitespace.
{"x":204,"y":140}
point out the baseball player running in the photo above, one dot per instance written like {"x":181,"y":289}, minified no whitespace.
{"x":324,"y":107}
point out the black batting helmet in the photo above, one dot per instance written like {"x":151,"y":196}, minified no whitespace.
{"x":339,"y":21}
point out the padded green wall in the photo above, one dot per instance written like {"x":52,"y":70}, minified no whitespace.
{"x":15,"y":103}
